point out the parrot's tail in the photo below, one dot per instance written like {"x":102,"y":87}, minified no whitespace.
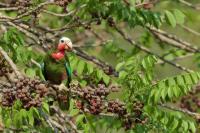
{"x":68,"y":93}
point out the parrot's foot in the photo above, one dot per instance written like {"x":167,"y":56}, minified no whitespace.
{"x":62,"y":87}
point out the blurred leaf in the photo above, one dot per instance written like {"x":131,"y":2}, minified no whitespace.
{"x":180,"y":17}
{"x":170,"y":18}
{"x":106,"y":79}
{"x":80,"y":67}
{"x":45,"y":107}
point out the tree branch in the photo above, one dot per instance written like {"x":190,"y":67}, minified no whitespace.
{"x":148,"y":51}
{"x":196,"y":7}
{"x":193,"y":114}
{"x":11,"y":63}
{"x":190,"y":30}
{"x":173,"y":40}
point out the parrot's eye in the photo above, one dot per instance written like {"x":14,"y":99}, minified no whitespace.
{"x":62,"y":41}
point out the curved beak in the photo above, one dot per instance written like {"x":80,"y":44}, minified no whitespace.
{"x":68,"y":48}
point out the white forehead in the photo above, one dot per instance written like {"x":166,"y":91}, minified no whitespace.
{"x":66,"y":39}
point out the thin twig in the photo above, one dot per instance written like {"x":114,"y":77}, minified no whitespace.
{"x":9,"y":8}
{"x":148,"y":51}
{"x":27,"y":33}
{"x":173,"y":40}
{"x":30,"y":11}
{"x":11,"y":63}
{"x":196,"y":7}
{"x":190,"y":30}
{"x":193,"y":114}
{"x":5,"y":83}
{"x":66,"y":118}
{"x":63,"y":15}
{"x":178,"y":58}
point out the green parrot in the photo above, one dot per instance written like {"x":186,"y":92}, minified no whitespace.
{"x":56,"y":67}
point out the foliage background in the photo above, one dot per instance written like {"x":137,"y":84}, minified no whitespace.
{"x":152,"y":84}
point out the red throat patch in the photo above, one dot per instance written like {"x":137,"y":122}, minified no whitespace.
{"x":58,"y":55}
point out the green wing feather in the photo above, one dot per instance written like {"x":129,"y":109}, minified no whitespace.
{"x":69,"y":78}
{"x":43,"y":69}
{"x":68,"y":71}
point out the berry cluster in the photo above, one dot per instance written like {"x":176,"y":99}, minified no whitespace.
{"x":191,"y":101}
{"x":63,"y":3}
{"x":137,"y":108}
{"x":88,"y":26}
{"x":99,"y":17}
{"x":4,"y":68}
{"x":95,"y":106}
{"x":23,"y":5}
{"x":92,"y":99}
{"x":127,"y":122}
{"x":110,"y":22}
{"x":116,"y":107}
{"x":138,"y":116}
{"x":29,"y":92}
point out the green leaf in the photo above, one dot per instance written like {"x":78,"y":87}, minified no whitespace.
{"x":81,"y":66}
{"x":194,"y":77}
{"x":180,"y":80}
{"x":23,"y":113}
{"x":170,"y":92}
{"x":74,"y":63}
{"x":30,"y":72}
{"x":30,"y":118}
{"x":157,"y":96}
{"x":185,"y":125}
{"x":35,"y":112}
{"x":175,"y":124}
{"x":8,"y":122}
{"x":119,"y":65}
{"x":17,"y":119}
{"x":174,"y":86}
{"x":192,"y":127}
{"x":83,"y":83}
{"x":106,"y":79}
{"x":6,"y":37}
{"x":145,"y":64}
{"x":188,"y":79}
{"x":99,"y":74}
{"x":163,"y":93}
{"x":79,"y":119}
{"x":180,"y":17}
{"x":45,"y":107}
{"x":176,"y":90}
{"x":171,"y":82}
{"x":122,"y":74}
{"x":170,"y":18}
{"x":90,"y":68}
{"x":74,"y":112}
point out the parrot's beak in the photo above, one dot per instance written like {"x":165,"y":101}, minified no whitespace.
{"x":67,"y":48}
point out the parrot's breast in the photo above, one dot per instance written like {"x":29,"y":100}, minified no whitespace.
{"x":55,"y":71}
{"x":58,"y":55}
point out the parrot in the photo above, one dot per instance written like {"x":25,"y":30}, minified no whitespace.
{"x":56,"y":67}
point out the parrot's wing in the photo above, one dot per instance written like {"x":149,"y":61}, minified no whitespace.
{"x":42,"y":67}
{"x":68,"y":72}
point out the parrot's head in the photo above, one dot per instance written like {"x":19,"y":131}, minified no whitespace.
{"x":65,"y":44}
